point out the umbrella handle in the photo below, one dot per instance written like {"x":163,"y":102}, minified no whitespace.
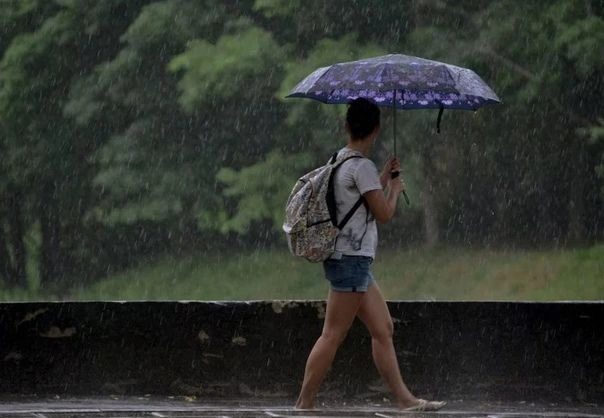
{"x":438,"y":119}
{"x":395,"y":175}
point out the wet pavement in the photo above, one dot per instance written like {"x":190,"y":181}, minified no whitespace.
{"x":148,"y":407}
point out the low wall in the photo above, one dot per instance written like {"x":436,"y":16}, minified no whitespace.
{"x":449,"y":350}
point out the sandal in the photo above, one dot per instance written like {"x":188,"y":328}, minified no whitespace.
{"x":425,"y":405}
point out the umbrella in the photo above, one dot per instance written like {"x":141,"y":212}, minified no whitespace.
{"x":400,"y":82}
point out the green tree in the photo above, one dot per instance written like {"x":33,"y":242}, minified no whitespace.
{"x":132,"y":127}
{"x":526,"y":175}
{"x":46,"y":165}
{"x":16,"y":18}
{"x":187,"y":97}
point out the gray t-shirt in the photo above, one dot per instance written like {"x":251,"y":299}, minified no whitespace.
{"x":352,"y":179}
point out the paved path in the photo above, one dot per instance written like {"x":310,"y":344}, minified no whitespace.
{"x":147,"y":407}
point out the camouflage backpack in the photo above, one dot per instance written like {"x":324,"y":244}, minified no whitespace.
{"x":311,"y":225}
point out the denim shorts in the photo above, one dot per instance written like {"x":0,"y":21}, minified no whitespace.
{"x":350,"y":273}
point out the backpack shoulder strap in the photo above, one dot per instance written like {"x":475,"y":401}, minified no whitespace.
{"x":351,"y":212}
{"x":331,"y":194}
{"x":338,"y":162}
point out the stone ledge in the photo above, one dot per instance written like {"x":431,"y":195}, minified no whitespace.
{"x":452,"y":350}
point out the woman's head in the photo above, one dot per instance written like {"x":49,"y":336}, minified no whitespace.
{"x":362,"y":118}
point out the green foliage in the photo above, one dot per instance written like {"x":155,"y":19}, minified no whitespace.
{"x":46,"y":157}
{"x":169,"y":116}
{"x":261,"y":190}
{"x":131,"y":197}
{"x":595,"y":137}
{"x":165,"y":26}
{"x":522,"y":163}
{"x":582,"y":42}
{"x":301,"y":24}
{"x":151,"y":169}
{"x":273,"y":8}
{"x":238,"y":68}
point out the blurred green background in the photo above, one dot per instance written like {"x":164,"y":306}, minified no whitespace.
{"x":147,"y":151}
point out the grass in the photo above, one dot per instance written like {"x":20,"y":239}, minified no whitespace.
{"x":444,"y":274}
{"x":496,"y":275}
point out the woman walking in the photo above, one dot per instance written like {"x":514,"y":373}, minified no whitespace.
{"x":353,"y":290}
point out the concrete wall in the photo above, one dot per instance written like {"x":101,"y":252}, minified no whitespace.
{"x":449,"y":350}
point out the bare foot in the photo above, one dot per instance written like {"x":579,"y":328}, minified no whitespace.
{"x":407,"y":403}
{"x":300,"y":404}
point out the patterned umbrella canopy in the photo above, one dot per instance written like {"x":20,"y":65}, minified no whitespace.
{"x":399,"y":81}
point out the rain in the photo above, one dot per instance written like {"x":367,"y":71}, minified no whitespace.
{"x":147,"y":152}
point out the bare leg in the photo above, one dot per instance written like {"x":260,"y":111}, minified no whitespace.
{"x":375,"y":315}
{"x":342,"y":308}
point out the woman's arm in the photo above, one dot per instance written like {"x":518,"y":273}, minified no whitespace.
{"x":383,"y":204}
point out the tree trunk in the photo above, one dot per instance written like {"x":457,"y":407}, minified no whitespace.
{"x":7,"y":272}
{"x":50,"y":269}
{"x":431,"y":231}
{"x":17,"y":242}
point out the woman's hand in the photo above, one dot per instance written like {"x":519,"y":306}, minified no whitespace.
{"x":397,"y":184}
{"x":393,"y":165}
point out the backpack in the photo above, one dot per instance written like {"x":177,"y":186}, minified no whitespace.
{"x":310,"y":224}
